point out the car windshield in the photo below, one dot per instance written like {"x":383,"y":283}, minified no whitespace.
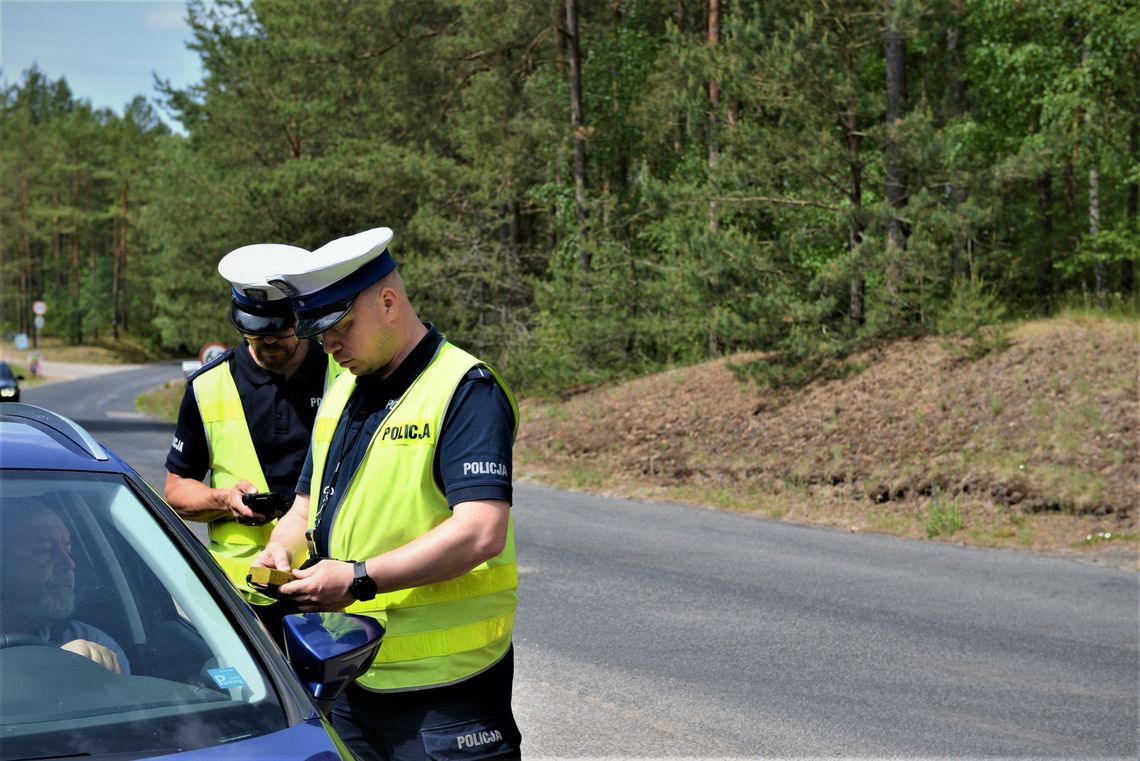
{"x":6,"y":372}
{"x":111,"y":640}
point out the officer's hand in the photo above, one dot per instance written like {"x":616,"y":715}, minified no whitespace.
{"x":275,"y":556}
{"x":101,"y":654}
{"x":323,"y":586}
{"x":240,"y":511}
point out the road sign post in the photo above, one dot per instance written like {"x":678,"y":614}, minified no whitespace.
{"x":39,"y":309}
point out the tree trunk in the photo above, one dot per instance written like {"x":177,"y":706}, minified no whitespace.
{"x":56,"y":253}
{"x":849,"y":119}
{"x":895,"y":51}
{"x":1045,"y":236}
{"x":73,"y":291}
{"x":714,"y":107}
{"x":3,"y":281}
{"x":23,"y":298}
{"x":1127,"y":283}
{"x":1069,"y":195}
{"x":577,"y":121}
{"x":956,"y":94}
{"x":714,"y":151}
{"x":1099,"y":274}
{"x":117,"y":265}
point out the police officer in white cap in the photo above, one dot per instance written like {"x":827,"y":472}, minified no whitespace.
{"x":403,"y":512}
{"x":245,"y":422}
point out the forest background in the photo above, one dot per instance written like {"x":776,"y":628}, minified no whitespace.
{"x":589,"y":190}
{"x":778,"y":255}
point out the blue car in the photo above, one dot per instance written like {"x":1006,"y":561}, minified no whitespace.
{"x":120,"y":637}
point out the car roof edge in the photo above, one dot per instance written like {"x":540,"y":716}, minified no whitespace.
{"x":66,"y":426}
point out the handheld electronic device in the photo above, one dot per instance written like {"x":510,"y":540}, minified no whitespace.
{"x":268,"y":505}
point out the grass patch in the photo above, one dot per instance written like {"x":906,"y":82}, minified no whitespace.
{"x":743,"y":497}
{"x":163,"y":402}
{"x":1068,"y":486}
{"x":586,"y":477}
{"x":125,"y":351}
{"x":1111,"y":536}
{"x":554,"y":412}
{"x":1117,"y":309}
{"x":889,"y":523}
{"x":943,"y":518}
{"x":574,"y":476}
{"x":998,"y":536}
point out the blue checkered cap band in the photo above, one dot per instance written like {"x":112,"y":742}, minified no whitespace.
{"x":260,"y":301}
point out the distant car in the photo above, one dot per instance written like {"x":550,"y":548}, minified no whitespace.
{"x":9,"y":384}
{"x":92,"y":554}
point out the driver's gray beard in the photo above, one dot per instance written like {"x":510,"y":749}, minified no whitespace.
{"x":48,"y":608}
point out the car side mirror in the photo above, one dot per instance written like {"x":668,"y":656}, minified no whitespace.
{"x":328,"y":650}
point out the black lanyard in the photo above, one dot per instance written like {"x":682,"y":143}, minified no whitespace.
{"x":317,"y":536}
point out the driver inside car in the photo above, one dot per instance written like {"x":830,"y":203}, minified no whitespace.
{"x":37,"y":585}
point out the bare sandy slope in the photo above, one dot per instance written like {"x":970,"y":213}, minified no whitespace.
{"x":1032,"y":447}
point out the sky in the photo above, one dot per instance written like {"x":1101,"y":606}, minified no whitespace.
{"x":107,"y":50}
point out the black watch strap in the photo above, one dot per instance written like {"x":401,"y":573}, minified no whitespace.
{"x":363,"y":587}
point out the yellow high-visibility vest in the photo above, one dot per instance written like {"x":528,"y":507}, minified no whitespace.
{"x":232,"y":458}
{"x":439,"y":633}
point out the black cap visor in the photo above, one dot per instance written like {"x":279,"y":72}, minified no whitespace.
{"x":317,"y":321}
{"x":264,"y":324}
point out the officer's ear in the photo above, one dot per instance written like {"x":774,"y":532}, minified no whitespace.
{"x":389,"y":302}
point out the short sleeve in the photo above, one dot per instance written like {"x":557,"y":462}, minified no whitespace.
{"x":189,"y":454}
{"x":474,"y":461}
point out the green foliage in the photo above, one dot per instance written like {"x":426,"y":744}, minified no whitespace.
{"x":755,"y":220}
{"x":975,"y":314}
{"x":802,"y":360}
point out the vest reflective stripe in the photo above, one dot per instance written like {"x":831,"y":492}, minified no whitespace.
{"x":232,"y":458}
{"x":439,"y":633}
{"x":412,"y":647}
{"x":481,"y":581}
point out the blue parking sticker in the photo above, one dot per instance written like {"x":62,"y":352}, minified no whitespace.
{"x":226,"y":678}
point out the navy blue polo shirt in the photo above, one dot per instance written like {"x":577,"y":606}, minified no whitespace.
{"x":280,"y":412}
{"x":478,"y":428}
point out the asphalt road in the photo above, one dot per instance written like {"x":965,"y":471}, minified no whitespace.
{"x":655,"y":630}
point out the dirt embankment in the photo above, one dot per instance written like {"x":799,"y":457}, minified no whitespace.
{"x":1034,"y":446}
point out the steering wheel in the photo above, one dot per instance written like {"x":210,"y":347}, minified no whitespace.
{"x":18,"y":639}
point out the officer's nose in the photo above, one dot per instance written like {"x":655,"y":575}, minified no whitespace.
{"x":327,"y":340}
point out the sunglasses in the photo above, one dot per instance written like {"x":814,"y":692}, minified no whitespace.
{"x":344,"y":306}
{"x":278,"y":336}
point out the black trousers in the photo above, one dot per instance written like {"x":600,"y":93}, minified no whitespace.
{"x":468,"y":720}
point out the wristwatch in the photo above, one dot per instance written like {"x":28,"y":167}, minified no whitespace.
{"x":363,"y":587}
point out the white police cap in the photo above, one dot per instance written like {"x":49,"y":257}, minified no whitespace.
{"x":256,"y":307}
{"x":323,"y":285}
